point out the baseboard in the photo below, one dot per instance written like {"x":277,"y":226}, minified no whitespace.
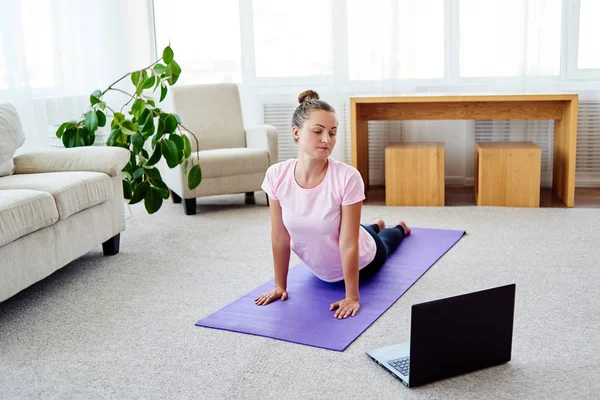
{"x":468,"y":181}
{"x":587,"y":182}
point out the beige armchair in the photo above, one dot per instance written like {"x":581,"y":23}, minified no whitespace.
{"x":233,"y":159}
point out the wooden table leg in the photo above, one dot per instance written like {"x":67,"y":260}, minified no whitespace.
{"x":359,"y":143}
{"x":565,"y":151}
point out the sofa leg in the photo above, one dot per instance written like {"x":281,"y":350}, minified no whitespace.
{"x":175,"y":197}
{"x":250,"y":194}
{"x":111,"y":246}
{"x":189,"y":205}
{"x":267,"y":199}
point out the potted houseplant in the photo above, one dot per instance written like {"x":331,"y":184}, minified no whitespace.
{"x":144,"y":129}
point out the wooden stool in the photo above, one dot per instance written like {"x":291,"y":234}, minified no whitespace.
{"x":507,"y":174}
{"x":414,"y":174}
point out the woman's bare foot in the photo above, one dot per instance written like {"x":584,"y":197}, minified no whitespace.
{"x":380,"y":223}
{"x":403,"y":225}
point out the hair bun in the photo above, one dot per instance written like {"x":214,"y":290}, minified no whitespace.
{"x":307,"y":95}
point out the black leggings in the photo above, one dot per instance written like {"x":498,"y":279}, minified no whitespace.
{"x":387,"y":242}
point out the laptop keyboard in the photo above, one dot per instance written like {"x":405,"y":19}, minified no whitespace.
{"x":400,"y":365}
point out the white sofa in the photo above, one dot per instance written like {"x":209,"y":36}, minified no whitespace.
{"x":55,"y":206}
{"x":234,"y":159}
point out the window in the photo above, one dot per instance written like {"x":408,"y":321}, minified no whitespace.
{"x":389,"y":42}
{"x":292,"y":39}
{"x":205,"y":37}
{"x":420,"y":39}
{"x":3,"y":66}
{"x":501,"y":38}
{"x":38,"y":43}
{"x":369,"y":40}
{"x":588,"y":55}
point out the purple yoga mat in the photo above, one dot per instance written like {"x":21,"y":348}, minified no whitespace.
{"x":305,"y":318}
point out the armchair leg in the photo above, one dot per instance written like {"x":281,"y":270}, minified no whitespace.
{"x":175,"y":197}
{"x":111,"y":246}
{"x":189,"y":205}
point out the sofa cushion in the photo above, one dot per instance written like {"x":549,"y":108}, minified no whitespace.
{"x":72,"y":191}
{"x":229,"y":162}
{"x":23,"y":212}
{"x":11,"y":137}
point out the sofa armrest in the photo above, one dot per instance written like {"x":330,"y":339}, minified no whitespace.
{"x":264,"y":137}
{"x":109,"y":160}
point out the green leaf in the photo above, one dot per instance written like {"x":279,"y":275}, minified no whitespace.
{"x":154,"y":175}
{"x":160,"y":68}
{"x":148,"y":128}
{"x":81,"y":137}
{"x":113,"y":136}
{"x":169,"y":151}
{"x":91,"y":121}
{"x":173,"y":70}
{"x":138,"y":140}
{"x":126,"y":175}
{"x":61,"y":129}
{"x":135,"y":78}
{"x":138,"y":108}
{"x":94,"y":100}
{"x":187,"y":146}
{"x":118,"y":117}
{"x":152,"y":103}
{"x":195,"y":177}
{"x":140,"y":192}
{"x":148,"y":83}
{"x":153,"y":200}
{"x":68,"y":137}
{"x":155,"y":156}
{"x":185,"y":165}
{"x":138,"y":173}
{"x":168,"y":55}
{"x":101,"y":118}
{"x":128,"y":127}
{"x":170,"y":124}
{"x":143,"y":118}
{"x":163,"y":92}
{"x":126,"y":190}
{"x":164,"y":193}
{"x":177,"y":118}
{"x":178,"y":141}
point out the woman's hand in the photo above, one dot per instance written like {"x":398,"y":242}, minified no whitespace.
{"x":272,"y":295}
{"x":345,"y":308}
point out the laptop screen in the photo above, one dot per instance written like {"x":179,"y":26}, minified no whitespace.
{"x":461,"y":334}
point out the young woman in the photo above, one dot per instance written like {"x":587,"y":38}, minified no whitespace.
{"x":316,"y":205}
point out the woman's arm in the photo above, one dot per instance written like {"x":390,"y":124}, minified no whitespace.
{"x":349,"y":228}
{"x":280,"y":242}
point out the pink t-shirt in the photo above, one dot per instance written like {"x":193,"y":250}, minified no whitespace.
{"x":312,"y":216}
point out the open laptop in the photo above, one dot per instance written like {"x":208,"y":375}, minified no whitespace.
{"x":453,"y":336}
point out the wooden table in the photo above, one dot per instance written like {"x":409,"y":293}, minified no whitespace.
{"x":562,"y":108}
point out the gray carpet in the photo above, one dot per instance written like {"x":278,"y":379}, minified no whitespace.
{"x":123,"y":326}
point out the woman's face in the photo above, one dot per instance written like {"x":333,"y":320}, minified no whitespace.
{"x":317,"y":136}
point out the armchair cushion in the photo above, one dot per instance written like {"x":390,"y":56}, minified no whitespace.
{"x":72,"y":191}
{"x":213,"y":112}
{"x":11,"y":137}
{"x":231,"y":162}
{"x":109,"y":160}
{"x":23,"y":212}
{"x":264,"y":137}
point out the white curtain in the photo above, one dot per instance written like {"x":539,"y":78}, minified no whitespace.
{"x":54,"y":53}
